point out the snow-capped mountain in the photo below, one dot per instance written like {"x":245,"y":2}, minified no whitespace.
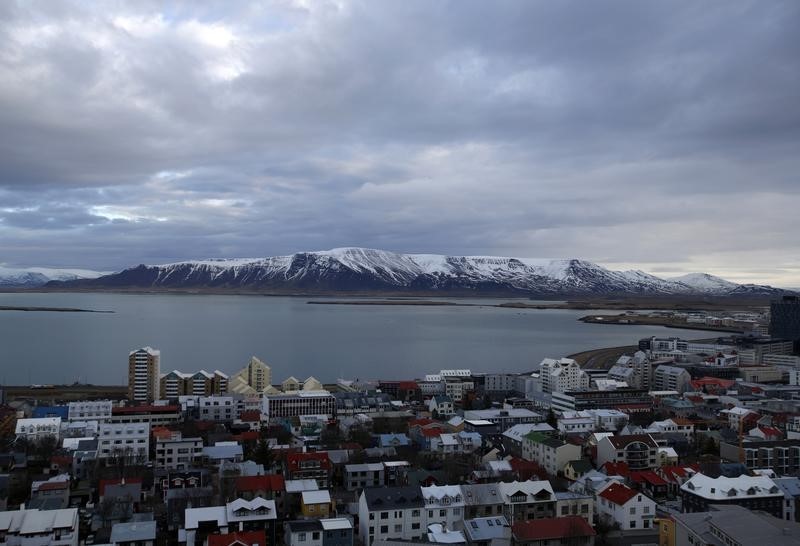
{"x":39,"y":276}
{"x":703,"y":282}
{"x":368,"y":270}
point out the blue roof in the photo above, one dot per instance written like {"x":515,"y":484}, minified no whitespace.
{"x":50,"y":411}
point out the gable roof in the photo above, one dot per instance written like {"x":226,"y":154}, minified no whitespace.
{"x":243,"y":538}
{"x":618,"y":493}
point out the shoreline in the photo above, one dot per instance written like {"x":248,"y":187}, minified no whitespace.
{"x":50,"y":309}
{"x":617,"y":320}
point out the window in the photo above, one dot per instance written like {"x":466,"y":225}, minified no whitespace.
{"x":564,"y":510}
{"x":442,"y":513}
{"x":415,"y":513}
{"x":315,"y":535}
{"x":430,"y":513}
{"x":646,"y":510}
{"x":384,"y":528}
{"x":384,"y":515}
{"x":301,"y":537}
{"x":415,"y":526}
{"x":633,"y":524}
{"x":398,"y":528}
{"x":633,"y":510}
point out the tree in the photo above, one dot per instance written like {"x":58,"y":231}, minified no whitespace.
{"x":263,"y":455}
{"x":487,"y":401}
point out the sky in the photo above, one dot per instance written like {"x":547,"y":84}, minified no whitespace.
{"x":663,"y":136}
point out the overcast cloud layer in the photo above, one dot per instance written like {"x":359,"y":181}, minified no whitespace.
{"x":658,"y":135}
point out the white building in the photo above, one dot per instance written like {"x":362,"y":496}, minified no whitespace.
{"x":216,"y":408}
{"x":445,"y":505}
{"x":234,"y":516}
{"x":442,"y":405}
{"x":319,"y":402}
{"x":550,"y":453}
{"x":38,"y":428}
{"x":129,"y":440}
{"x":671,"y":378}
{"x":619,"y":505}
{"x":39,"y":527}
{"x":178,"y":453}
{"x":387,"y":513}
{"x":562,"y":375}
{"x":90,"y":410}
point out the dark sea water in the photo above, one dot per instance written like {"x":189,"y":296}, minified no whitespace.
{"x":327,"y":341}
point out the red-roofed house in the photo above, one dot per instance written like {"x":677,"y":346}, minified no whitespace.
{"x":616,"y":469}
{"x":766,"y":433}
{"x":310,"y":466}
{"x":712,"y":385}
{"x":242,"y":538}
{"x":620,"y":506}
{"x":566,"y":530}
{"x":649,"y":482}
{"x":527,"y":470}
{"x":249,"y":487}
{"x":676,"y":476}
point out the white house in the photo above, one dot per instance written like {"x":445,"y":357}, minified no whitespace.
{"x":38,"y":428}
{"x":39,"y":527}
{"x":391,"y":513}
{"x":445,"y":505}
{"x":442,"y":405}
{"x":230,"y":518}
{"x":623,"y":507}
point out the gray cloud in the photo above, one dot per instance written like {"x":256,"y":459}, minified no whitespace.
{"x":661,"y":136}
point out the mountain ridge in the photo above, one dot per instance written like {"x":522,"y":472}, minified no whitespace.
{"x":354,"y":269}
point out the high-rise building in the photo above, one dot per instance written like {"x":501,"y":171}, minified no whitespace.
{"x":784,"y":321}
{"x":255,"y":378}
{"x":143,"y":374}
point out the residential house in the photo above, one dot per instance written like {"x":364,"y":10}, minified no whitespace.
{"x":40,"y":527}
{"x":359,"y":476}
{"x":239,"y":515}
{"x":316,"y":504}
{"x":313,"y":465}
{"x":441,"y":405}
{"x":445,"y":505}
{"x":639,"y":451}
{"x":482,"y":500}
{"x":625,"y":508}
{"x":391,"y":513}
{"x":752,"y":492}
{"x":528,"y":500}
{"x":550,"y":453}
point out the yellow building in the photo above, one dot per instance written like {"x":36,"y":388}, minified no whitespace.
{"x":666,"y":531}
{"x":316,"y":504}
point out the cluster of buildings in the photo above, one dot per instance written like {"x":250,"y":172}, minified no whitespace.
{"x":678,"y":443}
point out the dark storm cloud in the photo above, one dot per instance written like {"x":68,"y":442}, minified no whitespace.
{"x":656,"y":135}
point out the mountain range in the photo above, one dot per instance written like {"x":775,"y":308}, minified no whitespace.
{"x":367,"y":270}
